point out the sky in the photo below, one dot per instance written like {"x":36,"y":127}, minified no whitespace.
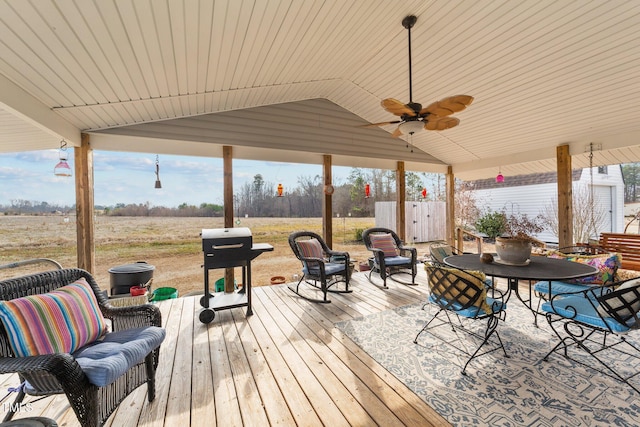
{"x":130,"y":178}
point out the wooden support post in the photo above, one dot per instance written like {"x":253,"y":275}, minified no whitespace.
{"x":565,"y":197}
{"x":450,"y":207}
{"x":401,"y":192}
{"x":85,"y":229}
{"x":327,"y":205}
{"x":227,"y":195}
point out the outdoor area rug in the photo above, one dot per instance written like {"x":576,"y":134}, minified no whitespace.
{"x":522,"y":390}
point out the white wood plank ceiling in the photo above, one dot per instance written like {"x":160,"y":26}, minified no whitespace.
{"x":147,"y":75}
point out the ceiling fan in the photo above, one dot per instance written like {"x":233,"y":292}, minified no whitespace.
{"x":414,"y":118}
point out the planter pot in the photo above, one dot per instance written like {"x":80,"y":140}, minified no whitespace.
{"x":513,"y":251}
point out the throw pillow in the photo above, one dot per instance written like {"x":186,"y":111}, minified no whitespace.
{"x":438,"y":284}
{"x":622,"y":294}
{"x":607,"y":265}
{"x":386,"y":243}
{"x":60,"y":321}
{"x":310,"y":248}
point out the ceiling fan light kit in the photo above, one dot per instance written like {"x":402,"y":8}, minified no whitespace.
{"x":413,"y":118}
{"x":411,"y":127}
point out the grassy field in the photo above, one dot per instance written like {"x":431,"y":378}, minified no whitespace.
{"x":172,"y":245}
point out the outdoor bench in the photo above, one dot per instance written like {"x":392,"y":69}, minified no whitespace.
{"x":627,"y":245}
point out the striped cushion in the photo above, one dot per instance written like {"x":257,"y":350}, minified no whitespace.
{"x":60,"y":321}
{"x":386,"y":243}
{"x":310,"y":248}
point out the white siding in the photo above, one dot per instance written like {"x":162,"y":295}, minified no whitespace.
{"x":534,"y":199}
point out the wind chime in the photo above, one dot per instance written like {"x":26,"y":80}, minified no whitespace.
{"x":158,"y":184}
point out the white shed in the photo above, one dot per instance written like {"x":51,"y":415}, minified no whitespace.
{"x":531,"y":194}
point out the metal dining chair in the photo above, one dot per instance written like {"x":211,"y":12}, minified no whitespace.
{"x":458,"y":296}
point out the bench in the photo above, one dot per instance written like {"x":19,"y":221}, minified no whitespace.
{"x":627,"y":245}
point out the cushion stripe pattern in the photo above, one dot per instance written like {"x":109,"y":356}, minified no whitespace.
{"x":60,"y":321}
{"x":386,"y":243}
{"x":310,"y":248}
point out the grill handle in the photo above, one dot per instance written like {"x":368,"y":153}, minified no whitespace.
{"x":233,"y":246}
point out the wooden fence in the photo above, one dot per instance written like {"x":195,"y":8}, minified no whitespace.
{"x":425,"y":221}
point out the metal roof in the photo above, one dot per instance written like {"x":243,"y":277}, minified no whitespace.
{"x":294,"y":79}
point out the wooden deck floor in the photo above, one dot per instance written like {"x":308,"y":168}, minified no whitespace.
{"x":285,"y":365}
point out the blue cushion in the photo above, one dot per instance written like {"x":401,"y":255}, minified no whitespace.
{"x":474,"y":311}
{"x":586,"y":312}
{"x":558,"y":287}
{"x":330,"y":268}
{"x":397,"y":260}
{"x":106,"y":360}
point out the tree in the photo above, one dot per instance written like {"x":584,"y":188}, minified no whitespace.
{"x":631,"y":175}
{"x":466,"y":211}
{"x":414,"y":185}
{"x":587,"y":219}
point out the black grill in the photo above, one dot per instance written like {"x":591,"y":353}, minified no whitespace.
{"x":227,"y":248}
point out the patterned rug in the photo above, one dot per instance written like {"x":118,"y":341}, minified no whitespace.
{"x":522,"y":390}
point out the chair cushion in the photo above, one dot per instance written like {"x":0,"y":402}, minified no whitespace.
{"x":397,"y":260}
{"x":330,"y":268}
{"x":386,"y":243}
{"x":310,"y":248}
{"x":582,"y":309}
{"x":617,"y":302}
{"x":558,"y":287}
{"x":607,"y":265}
{"x":105,"y":360}
{"x":493,"y":304}
{"x":60,"y":321}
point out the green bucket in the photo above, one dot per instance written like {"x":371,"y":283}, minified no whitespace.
{"x":219,"y":286}
{"x":164,"y":293}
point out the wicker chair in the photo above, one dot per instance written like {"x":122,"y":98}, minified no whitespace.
{"x":60,"y":372}
{"x":390,"y":255}
{"x":322,"y":268}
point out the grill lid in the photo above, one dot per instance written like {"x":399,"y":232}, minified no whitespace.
{"x":226,"y":233}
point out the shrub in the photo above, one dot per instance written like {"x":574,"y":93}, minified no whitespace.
{"x":359,"y":232}
{"x":493,"y":224}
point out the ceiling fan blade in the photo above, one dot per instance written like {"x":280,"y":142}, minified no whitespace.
{"x":448,"y":106}
{"x":456,"y":103}
{"x":396,"y":107}
{"x":396,"y":133}
{"x":441,"y":123}
{"x":372,"y":125}
{"x":436,"y":109}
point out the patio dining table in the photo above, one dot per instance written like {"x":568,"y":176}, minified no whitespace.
{"x":539,"y":268}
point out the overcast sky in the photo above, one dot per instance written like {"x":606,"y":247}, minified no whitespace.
{"x":130,"y":178}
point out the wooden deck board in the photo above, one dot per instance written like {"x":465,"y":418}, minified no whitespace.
{"x":286,"y":365}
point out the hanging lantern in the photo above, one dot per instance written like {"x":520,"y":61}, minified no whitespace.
{"x":158,"y":183}
{"x":62,"y":168}
{"x":424,"y":193}
{"x":367,"y":191}
{"x":280,"y":190}
{"x":499,"y":178}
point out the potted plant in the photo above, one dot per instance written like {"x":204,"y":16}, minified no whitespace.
{"x":512,"y":233}
{"x":514,"y":245}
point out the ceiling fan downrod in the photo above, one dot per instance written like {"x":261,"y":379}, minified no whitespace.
{"x":408,"y":22}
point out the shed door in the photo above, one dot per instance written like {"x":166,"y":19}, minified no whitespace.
{"x":603,"y":202}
